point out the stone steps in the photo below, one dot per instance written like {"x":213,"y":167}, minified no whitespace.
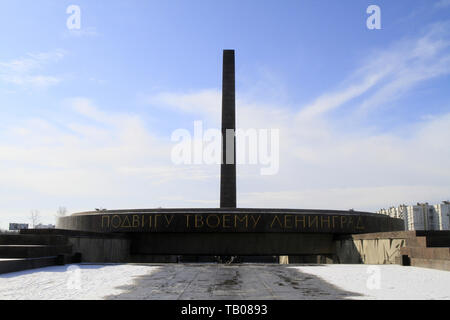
{"x":420,"y":242}
{"x":438,"y":241}
{"x":431,"y":263}
{"x":433,"y":240}
{"x":426,"y":253}
{"x":427,"y":250}
{"x":33,"y":250}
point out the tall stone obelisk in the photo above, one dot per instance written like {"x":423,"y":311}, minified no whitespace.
{"x":228,"y":166}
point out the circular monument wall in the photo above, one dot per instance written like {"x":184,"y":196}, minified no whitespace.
{"x":230,"y":221}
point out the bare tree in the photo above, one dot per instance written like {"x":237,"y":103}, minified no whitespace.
{"x":35,"y":218}
{"x":61,"y":212}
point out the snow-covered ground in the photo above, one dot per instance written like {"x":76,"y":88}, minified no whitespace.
{"x":212,"y":281}
{"x":68,"y":282}
{"x":385,"y":281}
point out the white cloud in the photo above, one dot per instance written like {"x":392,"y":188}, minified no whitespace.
{"x":442,"y":4}
{"x":25,"y":71}
{"x":36,"y":80}
{"x":205,"y":102}
{"x":409,"y":63}
{"x":390,"y":73}
{"x":347,"y":198}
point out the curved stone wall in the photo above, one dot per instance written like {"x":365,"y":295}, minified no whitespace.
{"x":230,"y":220}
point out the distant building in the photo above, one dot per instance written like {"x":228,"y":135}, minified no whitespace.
{"x":44,"y":226}
{"x":422,"y":216}
{"x":17,"y":226}
{"x":443,"y":212}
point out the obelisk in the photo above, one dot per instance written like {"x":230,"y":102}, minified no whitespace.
{"x":228,"y":166}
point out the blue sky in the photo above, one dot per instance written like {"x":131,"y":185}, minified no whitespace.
{"x":87,"y":114}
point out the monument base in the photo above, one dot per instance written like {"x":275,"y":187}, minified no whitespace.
{"x":229,"y":232}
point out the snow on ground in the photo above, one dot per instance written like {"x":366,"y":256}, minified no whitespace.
{"x":70,"y":282}
{"x":213,"y":281}
{"x":385,"y":281}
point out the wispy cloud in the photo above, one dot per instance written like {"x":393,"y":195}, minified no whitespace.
{"x":27,"y":71}
{"x":410,"y":63}
{"x":99,"y":147}
{"x":204,"y":102}
{"x":384,"y":76}
{"x":390,"y":73}
{"x":442,"y":4}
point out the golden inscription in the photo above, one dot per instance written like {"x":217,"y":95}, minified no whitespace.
{"x":301,"y":219}
{"x":275,"y":218}
{"x":327,"y":220}
{"x":225,"y":220}
{"x":236,"y":219}
{"x":117,"y":219}
{"x":107,"y":223}
{"x":312,"y":221}
{"x":187,"y":219}
{"x":288,"y":221}
{"x":169,"y":221}
{"x":334,"y":221}
{"x":211,"y":225}
{"x":127,"y":221}
{"x":255,"y":221}
{"x":135,"y":221}
{"x":198,"y":219}
{"x":359,"y":224}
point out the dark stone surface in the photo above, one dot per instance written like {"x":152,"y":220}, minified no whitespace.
{"x":52,"y":233}
{"x":405,"y":260}
{"x":86,"y":246}
{"x":24,"y":239}
{"x":241,"y":244}
{"x":227,"y":169}
{"x":33,"y":251}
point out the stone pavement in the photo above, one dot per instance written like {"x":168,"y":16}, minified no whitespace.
{"x":229,"y":282}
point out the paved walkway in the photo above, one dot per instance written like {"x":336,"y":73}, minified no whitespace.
{"x":230,"y":282}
